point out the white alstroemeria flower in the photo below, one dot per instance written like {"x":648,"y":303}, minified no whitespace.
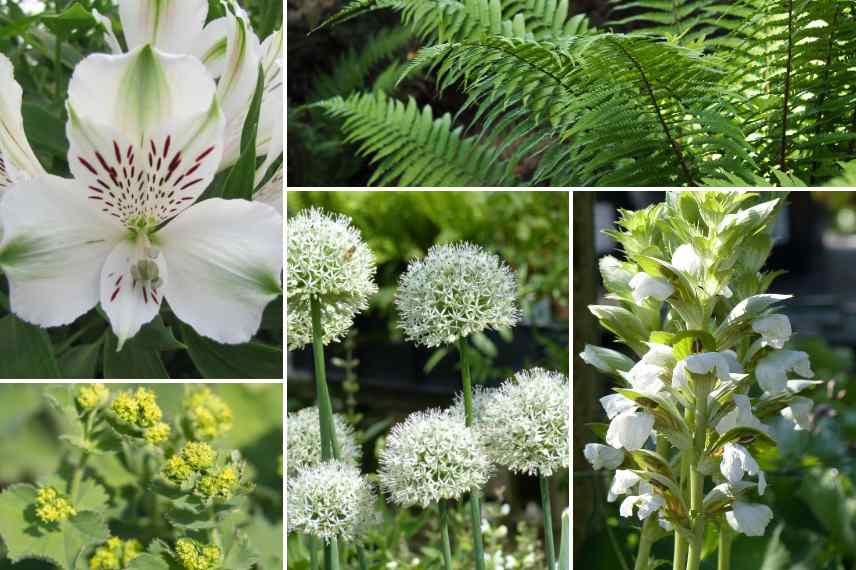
{"x":736,"y":460}
{"x":272,"y":191}
{"x":686,"y":259}
{"x":799,"y":412}
{"x":646,"y":501}
{"x":622,"y":482}
{"x":146,"y":135}
{"x":715,"y":363}
{"x":740,"y":416}
{"x":775,"y":330}
{"x":772,"y":370}
{"x":269,"y":138}
{"x":603,"y":456}
{"x":629,"y":427}
{"x":645,"y":286}
{"x":17,"y":160}
{"x":750,"y":519}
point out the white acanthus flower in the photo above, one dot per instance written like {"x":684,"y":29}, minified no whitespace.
{"x":330,"y":500}
{"x":645,"y":286}
{"x":647,"y":502}
{"x":775,"y":330}
{"x":622,"y":482}
{"x":646,"y":375}
{"x":629,"y":427}
{"x":734,"y":365}
{"x":750,"y":519}
{"x":714,"y":363}
{"x":432,"y":456}
{"x":686,"y":259}
{"x":772,"y":370}
{"x":740,"y":416}
{"x":736,"y":460}
{"x":524,"y":422}
{"x":145,"y":134}
{"x":799,"y":412}
{"x":17,"y":160}
{"x":303,"y":445}
{"x":453,"y":292}
{"x":328,"y":261}
{"x":603,"y":456}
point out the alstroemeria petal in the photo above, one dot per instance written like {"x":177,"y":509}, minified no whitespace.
{"x":146,"y":161}
{"x":54,"y":245}
{"x":130,"y":283}
{"x":109,"y":35}
{"x":271,"y":192}
{"x":170,"y":25}
{"x":225,"y":261}
{"x":17,"y":160}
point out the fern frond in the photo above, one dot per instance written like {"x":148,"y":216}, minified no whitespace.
{"x":409,"y":147}
{"x":689,"y":20}
{"x":351,"y":70}
{"x":616,"y":110}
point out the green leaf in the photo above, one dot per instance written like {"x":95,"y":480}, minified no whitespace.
{"x":157,"y":336}
{"x":73,"y":18}
{"x":238,"y":554}
{"x":565,"y":546}
{"x":148,"y":562}
{"x":80,"y":361}
{"x":241,"y":180}
{"x":266,"y":537}
{"x":25,"y":351}
{"x":133,"y":362}
{"x":743,"y":435}
{"x":214,"y":360}
{"x":27,"y":537}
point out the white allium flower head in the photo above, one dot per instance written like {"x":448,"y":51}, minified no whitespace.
{"x":455,"y":291}
{"x":524,"y":422}
{"x":303,"y":449}
{"x":432,"y":455}
{"x":329,"y":500}
{"x":328,"y":261}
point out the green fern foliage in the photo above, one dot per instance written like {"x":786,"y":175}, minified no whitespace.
{"x":409,"y":147}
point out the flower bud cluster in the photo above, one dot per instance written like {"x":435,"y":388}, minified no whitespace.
{"x":196,"y":464}
{"x":51,"y":507}
{"x":208,"y":414}
{"x":115,"y":554}
{"x":193,"y":555}
{"x":91,"y":396}
{"x":140,"y":410}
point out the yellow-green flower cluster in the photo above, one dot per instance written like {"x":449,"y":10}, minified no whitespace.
{"x":194,"y":555}
{"x":208,"y":414}
{"x":51,"y":507}
{"x":92,"y":396}
{"x":115,"y":554}
{"x":140,"y":409}
{"x":220,"y":483}
{"x":193,"y":457}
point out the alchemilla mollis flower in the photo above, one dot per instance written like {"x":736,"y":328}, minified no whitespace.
{"x":52,"y":507}
{"x":455,"y":291}
{"x":115,"y":554}
{"x":330,"y":500}
{"x":303,"y":444}
{"x":208,"y":415}
{"x":524,"y":422}
{"x":432,"y":456}
{"x":146,"y":136}
{"x":328,"y":262}
{"x":194,"y":555}
{"x":92,"y":396}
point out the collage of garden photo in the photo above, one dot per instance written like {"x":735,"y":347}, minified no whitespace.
{"x":427,"y":284}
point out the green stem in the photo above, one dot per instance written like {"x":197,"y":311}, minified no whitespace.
{"x":696,"y":477}
{"x":77,"y":477}
{"x":548,"y":522}
{"x":723,"y":561}
{"x":313,"y":552}
{"x":680,"y":557}
{"x":361,"y":553}
{"x":643,"y":554}
{"x":475,"y":501}
{"x":444,"y":529}
{"x":329,"y":448}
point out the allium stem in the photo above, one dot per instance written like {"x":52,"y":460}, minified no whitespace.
{"x":313,"y":552}
{"x":329,"y":449}
{"x":444,"y":529}
{"x":723,"y":561}
{"x":548,"y":522}
{"x":361,"y":554}
{"x":475,"y":501}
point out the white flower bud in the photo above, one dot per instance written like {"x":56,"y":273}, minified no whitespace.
{"x":687,"y":260}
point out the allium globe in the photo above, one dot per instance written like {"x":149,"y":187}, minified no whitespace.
{"x":432,"y":456}
{"x":304,"y":440}
{"x":329,"y":262}
{"x":524,"y":422}
{"x":455,"y":291}
{"x":330,"y":500}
